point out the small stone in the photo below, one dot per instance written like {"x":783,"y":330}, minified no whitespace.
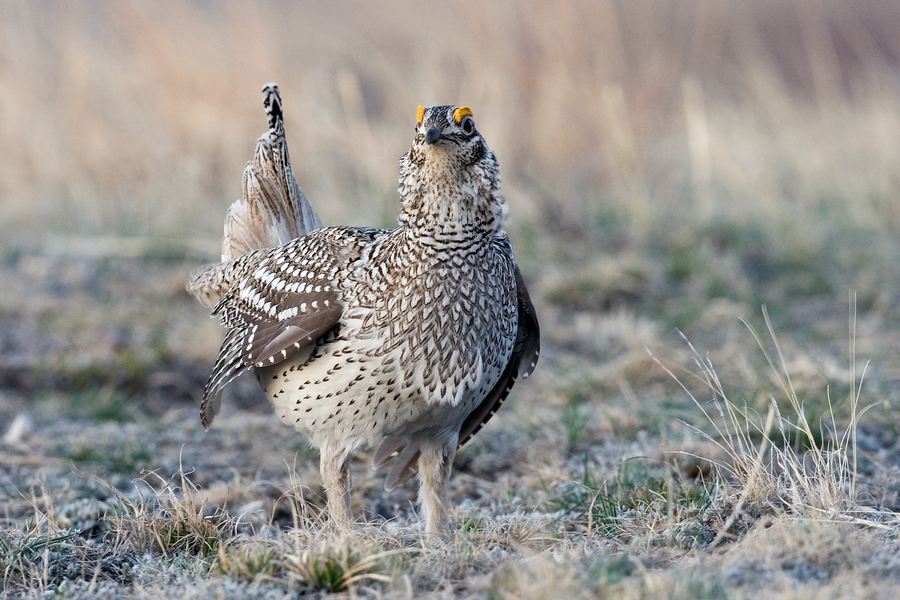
{"x":19,"y":430}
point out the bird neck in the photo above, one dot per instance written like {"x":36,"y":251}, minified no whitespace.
{"x":466,"y":205}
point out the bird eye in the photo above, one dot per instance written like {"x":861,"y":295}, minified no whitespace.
{"x":468,"y":125}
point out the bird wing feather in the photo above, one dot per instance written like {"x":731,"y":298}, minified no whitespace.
{"x":259,"y":345}
{"x":285,"y":303}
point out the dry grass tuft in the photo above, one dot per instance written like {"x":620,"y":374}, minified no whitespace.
{"x":45,"y":551}
{"x":805,"y":468}
{"x":170,"y":520}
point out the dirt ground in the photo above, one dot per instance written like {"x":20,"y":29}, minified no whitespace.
{"x":596,"y":474}
{"x":704,"y":204}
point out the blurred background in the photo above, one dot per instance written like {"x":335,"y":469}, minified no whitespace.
{"x":131,"y":118}
{"x":668,"y":164}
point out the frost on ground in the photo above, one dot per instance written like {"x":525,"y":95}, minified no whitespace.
{"x":671,"y":167}
{"x":602,"y":476}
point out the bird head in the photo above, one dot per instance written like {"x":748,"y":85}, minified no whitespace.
{"x":448,"y":132}
{"x":449,"y":173}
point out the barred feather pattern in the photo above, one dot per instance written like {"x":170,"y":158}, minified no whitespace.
{"x":522,"y":363}
{"x":430,"y":311}
{"x":408,"y":360}
{"x":273,"y":210}
{"x":287,"y":301}
{"x":411,"y":337}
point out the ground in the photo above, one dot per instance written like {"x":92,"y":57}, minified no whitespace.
{"x":704,"y":206}
{"x":598,"y":475}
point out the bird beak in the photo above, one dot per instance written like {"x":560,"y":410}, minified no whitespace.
{"x":433,"y":135}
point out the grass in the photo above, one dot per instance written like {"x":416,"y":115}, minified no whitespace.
{"x":811,"y":465}
{"x":670,"y":167}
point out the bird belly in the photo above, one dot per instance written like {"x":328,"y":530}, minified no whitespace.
{"x":344,"y":394}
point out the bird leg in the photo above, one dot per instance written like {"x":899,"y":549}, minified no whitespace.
{"x":336,"y":479}
{"x":435,"y":464}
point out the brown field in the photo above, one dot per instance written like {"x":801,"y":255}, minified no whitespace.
{"x":704,"y":199}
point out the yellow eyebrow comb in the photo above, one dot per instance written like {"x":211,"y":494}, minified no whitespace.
{"x":461,"y":112}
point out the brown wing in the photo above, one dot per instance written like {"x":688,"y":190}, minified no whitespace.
{"x":287,"y":302}
{"x":259,"y":345}
{"x":521,"y":364}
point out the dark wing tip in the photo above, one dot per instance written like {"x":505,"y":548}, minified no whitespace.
{"x":528,"y":337}
{"x":521,"y":364}
{"x":209,"y":408}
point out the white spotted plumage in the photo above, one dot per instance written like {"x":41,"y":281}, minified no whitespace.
{"x":409,"y":337}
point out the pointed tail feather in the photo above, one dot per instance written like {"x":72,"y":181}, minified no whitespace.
{"x":405,"y":467}
{"x":273,"y":210}
{"x":388,"y":448}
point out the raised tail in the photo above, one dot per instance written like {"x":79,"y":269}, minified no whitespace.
{"x":273,"y":209}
